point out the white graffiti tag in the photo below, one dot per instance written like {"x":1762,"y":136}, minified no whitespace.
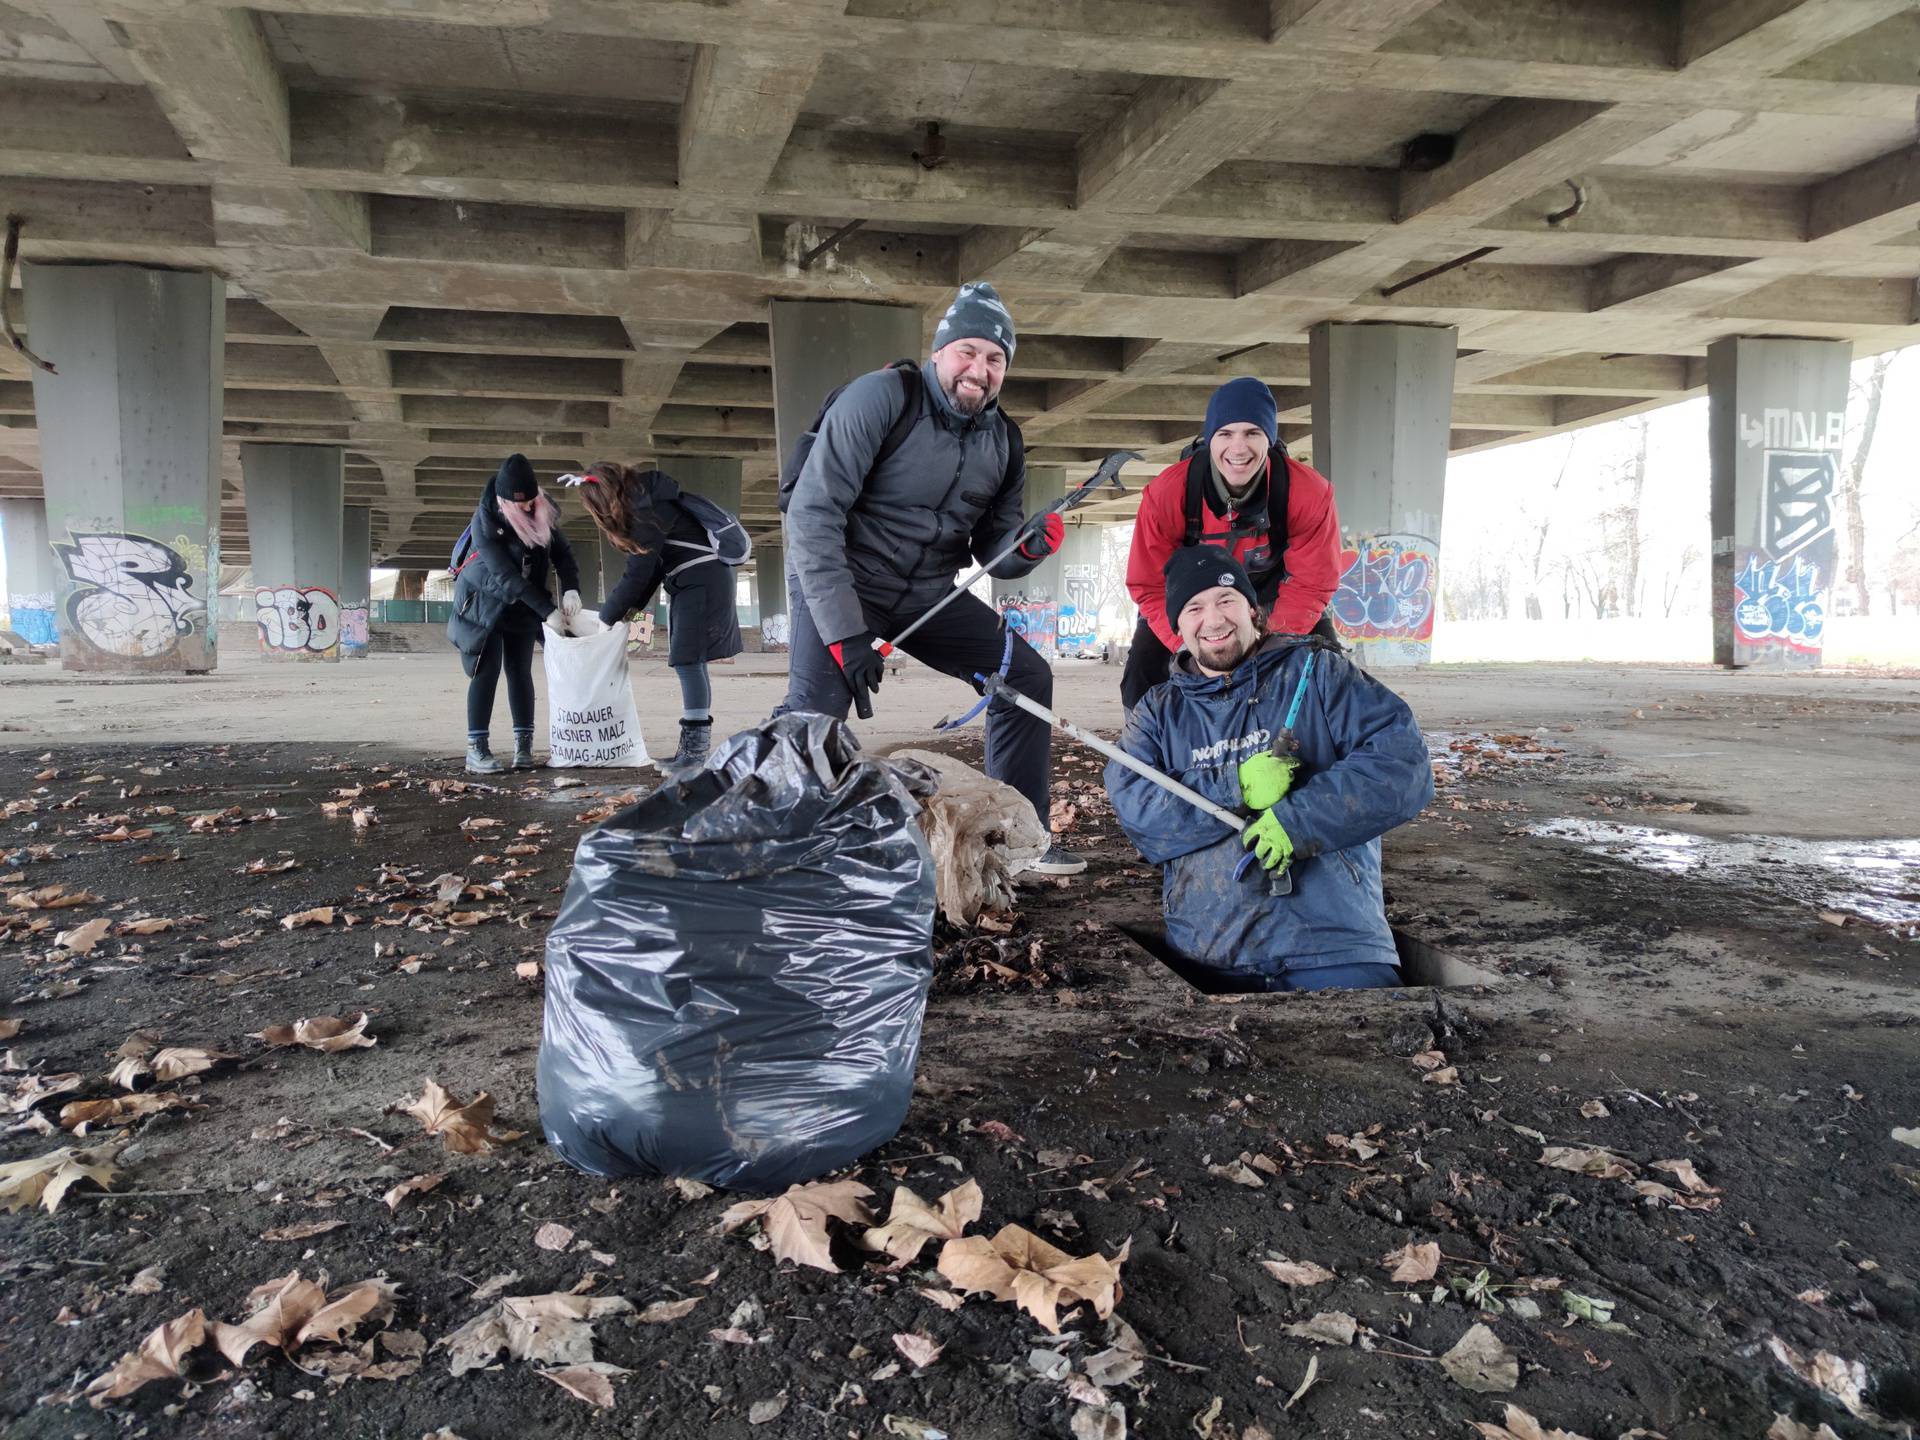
{"x":137,"y":598}
{"x":297,"y":620}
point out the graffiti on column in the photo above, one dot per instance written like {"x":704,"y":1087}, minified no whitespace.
{"x":1035,"y":619}
{"x":1079,"y":611}
{"x":354,"y":635}
{"x":135,"y":594}
{"x":776,"y":630}
{"x":297,"y":620}
{"x":1780,"y":590}
{"x":32,"y":617}
{"x":1388,"y":584}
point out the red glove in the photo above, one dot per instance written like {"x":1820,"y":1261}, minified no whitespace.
{"x":1044,"y":538}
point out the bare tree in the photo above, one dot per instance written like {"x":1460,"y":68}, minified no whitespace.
{"x":1539,"y":528}
{"x":1634,"y":477}
{"x":1871,"y":391}
{"x":1675,"y":581}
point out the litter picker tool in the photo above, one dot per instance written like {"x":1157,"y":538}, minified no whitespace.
{"x":1107,"y":474}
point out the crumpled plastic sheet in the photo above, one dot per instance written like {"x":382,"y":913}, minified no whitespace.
{"x":983,"y":832}
{"x":738,"y":973}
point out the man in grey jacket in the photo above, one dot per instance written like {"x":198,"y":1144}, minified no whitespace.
{"x":872,"y":547}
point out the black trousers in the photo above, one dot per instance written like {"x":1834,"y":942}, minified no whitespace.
{"x":509,"y":649}
{"x":1148,"y":660}
{"x":961,"y":640}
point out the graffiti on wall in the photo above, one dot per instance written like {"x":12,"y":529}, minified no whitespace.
{"x":1079,"y":628}
{"x":354,"y":632}
{"x":134,"y":595}
{"x":1388,"y":586}
{"x":776,"y":630}
{"x":1773,"y":602}
{"x":1781,"y":588}
{"x":31,"y":617}
{"x":1779,"y":428}
{"x":297,"y":620}
{"x":1035,"y":619}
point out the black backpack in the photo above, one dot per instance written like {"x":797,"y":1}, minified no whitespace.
{"x":1278,"y":494}
{"x":896,"y":436}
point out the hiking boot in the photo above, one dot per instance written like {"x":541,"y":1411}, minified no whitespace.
{"x":696,"y":743}
{"x":480,"y":760}
{"x":1057,"y":862}
{"x":523,"y":751}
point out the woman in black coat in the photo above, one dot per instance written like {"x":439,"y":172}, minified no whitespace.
{"x":642,"y":513}
{"x":500,"y":600}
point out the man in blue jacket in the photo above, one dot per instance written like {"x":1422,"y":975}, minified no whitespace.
{"x":1360,"y":768}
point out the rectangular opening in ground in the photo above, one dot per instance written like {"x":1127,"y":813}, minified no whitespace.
{"x":1422,"y":965}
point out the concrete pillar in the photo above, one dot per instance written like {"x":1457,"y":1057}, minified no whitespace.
{"x":130,"y":451}
{"x":770,"y":593}
{"x":1031,"y":604}
{"x":1079,"y":561}
{"x":1777,"y":419}
{"x":294,"y":521}
{"x":410,"y":585}
{"x":31,"y":572}
{"x":715,"y":477}
{"x":356,"y":579}
{"x":1382,"y":410}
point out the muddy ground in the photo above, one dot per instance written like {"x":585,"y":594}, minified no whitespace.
{"x":1715,"y":1016}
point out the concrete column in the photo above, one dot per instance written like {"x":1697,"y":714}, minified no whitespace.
{"x":1382,"y":410}
{"x":130,"y":448}
{"x":770,"y":592}
{"x":410,"y":585}
{"x":1777,"y":419}
{"x":1079,"y":562}
{"x":356,"y":579}
{"x":714,"y":477}
{"x":1031,"y":604}
{"x":32,"y":576}
{"x":294,"y":522}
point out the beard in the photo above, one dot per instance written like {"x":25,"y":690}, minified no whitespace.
{"x":535,"y":530}
{"x":1223,"y":655}
{"x":966,"y":402}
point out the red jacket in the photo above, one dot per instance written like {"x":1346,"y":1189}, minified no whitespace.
{"x":1312,"y":559}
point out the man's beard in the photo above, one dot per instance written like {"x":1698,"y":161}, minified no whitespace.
{"x":1229,"y":654}
{"x":967,"y":403}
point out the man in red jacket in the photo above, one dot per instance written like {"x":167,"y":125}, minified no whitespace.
{"x":1286,"y":535}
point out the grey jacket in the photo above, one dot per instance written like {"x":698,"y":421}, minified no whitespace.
{"x":896,"y":539}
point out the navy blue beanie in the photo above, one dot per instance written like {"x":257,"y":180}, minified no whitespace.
{"x":1243,"y":401}
{"x":977,"y":313}
{"x":515,"y":479}
{"x":1194,"y":569}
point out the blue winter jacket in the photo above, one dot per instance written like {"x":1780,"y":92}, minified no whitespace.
{"x":1364,"y":770}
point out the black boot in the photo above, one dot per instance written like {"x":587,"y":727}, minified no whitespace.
{"x":480,"y":760}
{"x":523,"y":750}
{"x":696,"y":742}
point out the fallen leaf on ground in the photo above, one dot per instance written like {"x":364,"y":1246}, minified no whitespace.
{"x":151,"y":925}
{"x":82,"y":938}
{"x":796,"y":1222}
{"x":463,"y":1129}
{"x":1329,"y":1327}
{"x":1445,"y":1075}
{"x":51,"y":897}
{"x":553,"y":1236}
{"x":305,"y":1230}
{"x":418,"y":1185}
{"x":1017,"y":1265}
{"x":665,"y":1312}
{"x":591,"y":1382}
{"x":1105,"y":1421}
{"x":177,"y":1062}
{"x":1591,"y":1110}
{"x":1683,"y":1171}
{"x":36,"y":1088}
{"x":1297,"y":1272}
{"x":945,"y":1299}
{"x":1414,"y":1263}
{"x":160,"y":1357}
{"x":1844,"y":1380}
{"x":120,"y":1110}
{"x":319,"y":915}
{"x":45,"y":1179}
{"x":1907,"y":1135}
{"x":911,"y":1223}
{"x":1481,"y":1362}
{"x":1601,"y":1164}
{"x":921,"y":1349}
{"x":147,"y":1282}
{"x":269,"y":867}
{"x":320,"y":1032}
{"x":552,"y":1329}
{"x":1785,"y":1427}
{"x":9,"y":1029}
{"x":1521,"y":1426}
{"x":289,"y":1312}
{"x":1239,"y":1172}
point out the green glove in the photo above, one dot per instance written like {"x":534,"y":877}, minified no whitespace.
{"x":1268,"y":841}
{"x":1265,"y":779}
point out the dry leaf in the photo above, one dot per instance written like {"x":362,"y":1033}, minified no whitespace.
{"x":1445,"y":1075}
{"x":1329,"y":1327}
{"x":36,"y":1088}
{"x":1601,"y":1164}
{"x":945,"y":1299}
{"x":276,"y":1311}
{"x":463,"y":1129}
{"x":306,"y":1230}
{"x":9,"y":1029}
{"x":665,"y":1312}
{"x":269,"y":867}
{"x":178,"y":1062}
{"x":1683,"y":1171}
{"x":796,"y":1223}
{"x":319,"y":915}
{"x":591,"y":1381}
{"x":160,"y":1357}
{"x":1844,"y":1380}
{"x":51,"y":897}
{"x":1239,"y":1172}
{"x":551,"y":1329}
{"x":1591,"y":1110}
{"x":82,"y":938}
{"x":1481,"y":1362}
{"x":45,"y":1179}
{"x":1412,"y":1264}
{"x":320,"y":1032}
{"x":553,"y":1236}
{"x":147,"y":1281}
{"x":1018,"y":1266}
{"x":912,"y":1222}
{"x":418,"y":1185}
{"x":120,"y":1110}
{"x":1297,"y":1272}
{"x":1521,"y":1426}
{"x":1785,"y":1427}
{"x":152,"y":925}
{"x":921,"y":1349}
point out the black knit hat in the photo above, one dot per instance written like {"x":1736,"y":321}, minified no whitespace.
{"x":1198,"y":568}
{"x":515,"y":479}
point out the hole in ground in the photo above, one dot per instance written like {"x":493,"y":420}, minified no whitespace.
{"x":1422,"y":966}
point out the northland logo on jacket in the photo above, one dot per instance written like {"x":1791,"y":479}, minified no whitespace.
{"x":1251,"y":741}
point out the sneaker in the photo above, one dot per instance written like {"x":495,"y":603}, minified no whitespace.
{"x":480,"y":761}
{"x":1057,"y":862}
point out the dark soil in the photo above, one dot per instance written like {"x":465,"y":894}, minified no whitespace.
{"x":1089,"y":1092}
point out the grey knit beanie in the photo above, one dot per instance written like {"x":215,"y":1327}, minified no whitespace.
{"x":977,"y":313}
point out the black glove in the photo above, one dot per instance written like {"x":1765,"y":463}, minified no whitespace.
{"x":864,"y":667}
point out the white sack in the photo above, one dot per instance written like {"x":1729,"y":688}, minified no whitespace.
{"x":592,"y":719}
{"x":982,"y":832}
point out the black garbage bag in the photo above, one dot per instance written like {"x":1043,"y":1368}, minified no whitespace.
{"x":737,"y":976}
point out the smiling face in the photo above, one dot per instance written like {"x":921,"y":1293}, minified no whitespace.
{"x":971,"y":372}
{"x":1239,"y":454}
{"x":1217,"y":629}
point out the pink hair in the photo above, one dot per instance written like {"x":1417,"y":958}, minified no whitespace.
{"x":535,"y":530}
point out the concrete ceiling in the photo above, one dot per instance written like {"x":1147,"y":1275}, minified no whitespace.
{"x":554,"y":225}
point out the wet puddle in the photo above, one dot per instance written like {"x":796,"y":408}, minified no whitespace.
{"x":1878,"y":880}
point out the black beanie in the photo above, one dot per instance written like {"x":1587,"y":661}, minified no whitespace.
{"x":977,"y":313}
{"x":515,"y":479}
{"x":1198,"y":568}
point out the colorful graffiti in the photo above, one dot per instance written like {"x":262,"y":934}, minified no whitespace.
{"x":31,"y":617}
{"x":355,"y":637}
{"x":1388,"y":585}
{"x":1778,"y":604}
{"x":1079,"y":627}
{"x":136,"y":595}
{"x":1035,"y":619}
{"x":297,"y":621}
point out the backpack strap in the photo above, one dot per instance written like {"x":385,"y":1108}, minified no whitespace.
{"x":1279,"y":494}
{"x":896,"y":436}
{"x":1195,"y":523}
{"x":1016,"y":448}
